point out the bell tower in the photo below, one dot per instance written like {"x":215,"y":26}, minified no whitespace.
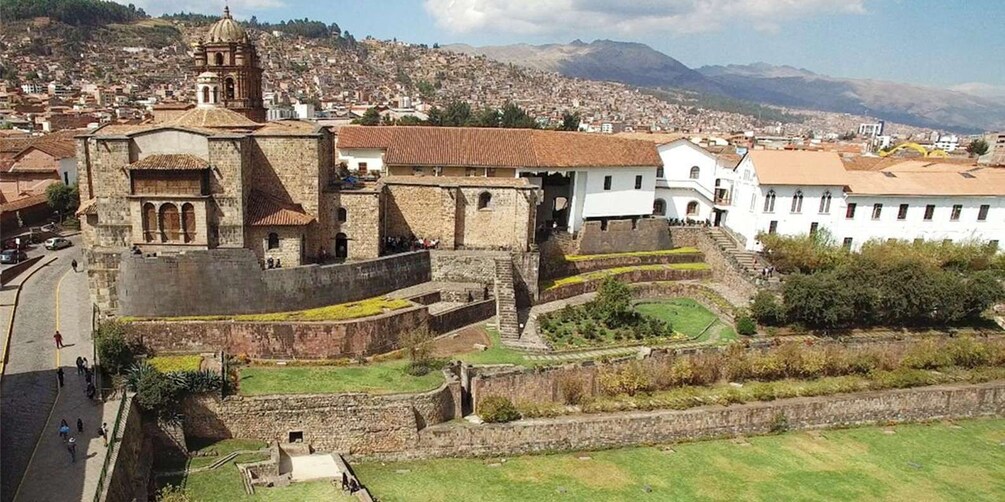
{"x":228,"y":53}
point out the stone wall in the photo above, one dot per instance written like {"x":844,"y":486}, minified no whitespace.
{"x":634,"y":276}
{"x":458,"y":317}
{"x":231,"y":281}
{"x":282,"y":340}
{"x":479,"y":267}
{"x":588,"y":432}
{"x":568,"y":268}
{"x":723,"y":270}
{"x":620,"y":236}
{"x":132,"y":459}
{"x":359,"y":424}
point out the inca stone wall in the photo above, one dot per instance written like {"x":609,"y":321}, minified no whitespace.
{"x":132,"y":460}
{"x":722,"y":269}
{"x":568,"y":268}
{"x":621,"y":236}
{"x":634,"y":276}
{"x":479,"y":267}
{"x":231,"y":281}
{"x":362,"y":227}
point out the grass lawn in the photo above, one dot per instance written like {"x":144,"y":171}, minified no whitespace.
{"x":385,"y":377}
{"x":224,"y":483}
{"x":684,"y":314}
{"x":167,"y":364}
{"x":495,"y":354}
{"x":340,"y":312}
{"x":600,"y":274}
{"x":586,"y":257}
{"x":935,"y":461}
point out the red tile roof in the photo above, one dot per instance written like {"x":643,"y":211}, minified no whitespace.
{"x":265,"y":210}
{"x":24,"y":202}
{"x":170,"y":161}
{"x":487,"y":147}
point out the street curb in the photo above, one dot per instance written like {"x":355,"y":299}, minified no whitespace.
{"x":13,"y":311}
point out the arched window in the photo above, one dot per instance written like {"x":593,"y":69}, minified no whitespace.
{"x":216,"y":95}
{"x":219,"y":58}
{"x":797,"y":202}
{"x":229,"y":88}
{"x":149,"y":222}
{"x":188,"y":221}
{"x":825,"y":202}
{"x":659,"y":207}
{"x":205,"y":94}
{"x":692,"y":208}
{"x":343,"y":215}
{"x":484,"y":200}
{"x":769,"y":202}
{"x":695,"y":171}
{"x":273,"y":241}
{"x":170,"y":224}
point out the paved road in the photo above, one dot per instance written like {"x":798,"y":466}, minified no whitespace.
{"x":29,"y":384}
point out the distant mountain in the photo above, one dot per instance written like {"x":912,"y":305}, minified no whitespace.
{"x":905,"y":103}
{"x":625,"y":62}
{"x":640,"y":65}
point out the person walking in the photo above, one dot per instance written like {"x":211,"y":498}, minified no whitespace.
{"x":64,"y":429}
{"x":59,"y":339}
{"x":59,"y":375}
{"x":80,"y":426}
{"x":80,"y":365}
{"x":90,"y":391}
{"x":74,"y":264}
{"x":71,"y":446}
{"x":88,"y":374}
{"x":103,"y":432}
{"x":345,"y":481}
{"x":84,"y":363}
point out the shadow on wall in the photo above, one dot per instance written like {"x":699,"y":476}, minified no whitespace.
{"x":620,"y":236}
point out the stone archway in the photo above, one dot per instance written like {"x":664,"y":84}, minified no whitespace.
{"x":341,"y":246}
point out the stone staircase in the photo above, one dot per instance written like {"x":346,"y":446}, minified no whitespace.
{"x":747,"y":262}
{"x":506,"y":314}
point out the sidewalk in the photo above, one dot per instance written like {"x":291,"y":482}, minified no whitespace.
{"x":51,"y":475}
{"x":9,"y":294}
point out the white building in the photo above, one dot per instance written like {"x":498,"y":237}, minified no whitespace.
{"x":685,"y":183}
{"x":303,"y":111}
{"x":871,"y":130}
{"x":947,"y":143}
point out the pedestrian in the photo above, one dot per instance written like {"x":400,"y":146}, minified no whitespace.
{"x":90,"y":391}
{"x":59,"y":339}
{"x":87,"y":375}
{"x":84,"y":365}
{"x":270,"y":263}
{"x":59,"y":375}
{"x":73,"y":264}
{"x":353,"y":485}
{"x":64,"y":429}
{"x":80,"y":425}
{"x":71,"y":446}
{"x":345,"y":481}
{"x":103,"y":432}
{"x":80,"y":365}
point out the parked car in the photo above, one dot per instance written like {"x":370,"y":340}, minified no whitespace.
{"x":57,"y":243}
{"x":13,"y":256}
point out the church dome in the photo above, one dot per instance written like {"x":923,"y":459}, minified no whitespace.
{"x":227,"y":30}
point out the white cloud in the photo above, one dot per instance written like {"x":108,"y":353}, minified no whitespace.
{"x":239,"y":8}
{"x":626,"y":17}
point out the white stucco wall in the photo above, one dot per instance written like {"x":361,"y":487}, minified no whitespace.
{"x":68,"y":170}
{"x":374,"y":158}
{"x":623,"y":199}
{"x":170,"y":141}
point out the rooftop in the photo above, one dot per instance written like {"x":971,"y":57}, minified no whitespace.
{"x":170,"y":161}
{"x":267,"y":210}
{"x":976,"y":182}
{"x":798,"y":167}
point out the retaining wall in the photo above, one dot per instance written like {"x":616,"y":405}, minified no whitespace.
{"x":132,"y":460}
{"x":583,"y":266}
{"x":723,"y":269}
{"x":580,"y":288}
{"x":9,"y":273}
{"x":644,"y":234}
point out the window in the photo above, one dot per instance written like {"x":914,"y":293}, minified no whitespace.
{"x":849,"y":213}
{"x":638,"y":182}
{"x":273,"y":241}
{"x":825,"y":202}
{"x":228,"y":88}
{"x":362,"y":168}
{"x":484,"y":200}
{"x":692,"y":208}
{"x":218,"y":59}
{"x":982,"y":214}
{"x":847,"y":242}
{"x":607,"y":182}
{"x":813,"y":228}
{"x":149,"y":222}
{"x":342,"y":215}
{"x":753,"y":201}
{"x":797,"y":202}
{"x":188,"y":221}
{"x":437,"y":171}
{"x":877,"y":211}
{"x":929,"y":212}
{"x":955,"y":215}
{"x":170,"y":225}
{"x":490,"y":171}
{"x":769,"y":202}
{"x":695,"y":172}
{"x":902,"y":212}
{"x":296,"y":436}
{"x":659,"y":172}
{"x":773,"y":226}
{"x":205,"y":94}
{"x":469,"y":171}
{"x":418,"y":171}
{"x":659,"y":207}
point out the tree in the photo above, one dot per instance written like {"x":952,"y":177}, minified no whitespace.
{"x":456,"y":114}
{"x":514,"y":117}
{"x":766,"y":309}
{"x":745,"y":326}
{"x":818,"y":301}
{"x":416,"y":344}
{"x":978,"y":147}
{"x":63,"y":198}
{"x":371,"y":117}
{"x":570,"y":121}
{"x":487,"y":117}
{"x":114,"y":352}
{"x":613,"y":301}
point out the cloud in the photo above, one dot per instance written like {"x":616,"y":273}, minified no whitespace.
{"x":239,"y":8}
{"x":534,"y":17}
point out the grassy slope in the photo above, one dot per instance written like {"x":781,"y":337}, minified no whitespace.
{"x":919,"y":462}
{"x":684,"y":314}
{"x":587,"y":257}
{"x":340,"y":312}
{"x":600,"y":274}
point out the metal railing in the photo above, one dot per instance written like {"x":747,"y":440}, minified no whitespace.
{"x":110,"y":452}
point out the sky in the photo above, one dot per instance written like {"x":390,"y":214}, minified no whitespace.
{"x":942,"y":43}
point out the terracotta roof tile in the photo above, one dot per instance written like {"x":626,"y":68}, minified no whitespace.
{"x":24,"y":202}
{"x":170,"y":161}
{"x":797,"y":167}
{"x":215,"y":117}
{"x":976,"y":182}
{"x":470,"y":181}
{"x":265,"y":210}
{"x":486,"y":147}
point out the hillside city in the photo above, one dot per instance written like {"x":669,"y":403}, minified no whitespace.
{"x":249,"y":260}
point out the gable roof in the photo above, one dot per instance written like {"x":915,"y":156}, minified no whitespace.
{"x":266,"y":210}
{"x":797,"y":167}
{"x":170,"y":161}
{"x":976,"y":182}
{"x":490,"y":147}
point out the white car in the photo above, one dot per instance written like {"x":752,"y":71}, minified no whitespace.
{"x":57,"y":243}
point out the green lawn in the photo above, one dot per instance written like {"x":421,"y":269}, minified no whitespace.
{"x":495,"y":354}
{"x":684,"y":314}
{"x":376,"y":378}
{"x":224,"y":483}
{"x":664,"y":252}
{"x":167,"y":364}
{"x":340,"y":312}
{"x":927,"y":462}
{"x":616,"y":271}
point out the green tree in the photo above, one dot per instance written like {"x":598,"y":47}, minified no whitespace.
{"x":766,"y":309}
{"x":514,"y":117}
{"x":486,"y":117}
{"x":745,"y":326}
{"x":613,"y":301}
{"x":818,"y":301}
{"x":456,"y":114}
{"x":570,"y":121}
{"x":978,"y":147}
{"x":63,"y":198}
{"x":371,"y":117}
{"x":114,"y":351}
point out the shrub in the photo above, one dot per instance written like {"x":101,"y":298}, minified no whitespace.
{"x":154,"y":392}
{"x":927,"y":355}
{"x":745,"y":326}
{"x":767,"y":310}
{"x":968,"y":353}
{"x":572,"y":388}
{"x":630,"y":379}
{"x":779,"y":424}
{"x":172,"y":493}
{"x":497,"y":409}
{"x":763,"y":392}
{"x":416,"y":344}
{"x":114,"y":352}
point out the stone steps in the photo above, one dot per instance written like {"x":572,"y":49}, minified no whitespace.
{"x":506,"y":314}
